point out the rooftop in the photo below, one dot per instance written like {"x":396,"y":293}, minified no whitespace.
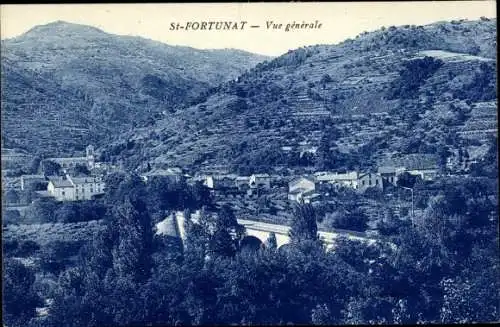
{"x":84,"y":180}
{"x":61,"y":183}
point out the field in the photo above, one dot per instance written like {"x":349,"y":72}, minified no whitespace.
{"x":51,"y":232}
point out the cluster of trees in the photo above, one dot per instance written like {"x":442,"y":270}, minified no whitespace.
{"x":443,"y":269}
{"x":482,"y":87}
{"x":47,"y":210}
{"x":412,"y":76}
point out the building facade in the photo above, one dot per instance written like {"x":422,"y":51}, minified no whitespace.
{"x":368,"y":180}
{"x":75,"y":188}
{"x":260,"y":181}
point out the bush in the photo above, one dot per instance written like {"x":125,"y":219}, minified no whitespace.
{"x":354,"y":220}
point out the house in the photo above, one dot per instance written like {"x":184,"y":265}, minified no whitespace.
{"x":75,"y":188}
{"x":390,"y":173}
{"x":305,"y":197}
{"x":217,"y":182}
{"x":175,"y":174}
{"x":348,"y":179}
{"x":427,"y":174}
{"x":87,"y":187}
{"x":260,"y":181}
{"x":242,"y":182}
{"x":424,"y":165}
{"x":367,"y":180}
{"x":300,"y":187}
{"x":27,"y":180}
{"x":61,"y":189}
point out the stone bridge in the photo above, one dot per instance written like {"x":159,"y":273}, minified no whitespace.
{"x":257,"y":230}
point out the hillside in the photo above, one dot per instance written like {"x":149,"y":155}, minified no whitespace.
{"x":65,"y":85}
{"x":404,"y":89}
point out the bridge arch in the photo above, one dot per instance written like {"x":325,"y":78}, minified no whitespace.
{"x":251,"y":243}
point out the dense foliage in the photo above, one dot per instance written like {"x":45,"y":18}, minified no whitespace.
{"x":412,"y":76}
{"x":443,"y":269}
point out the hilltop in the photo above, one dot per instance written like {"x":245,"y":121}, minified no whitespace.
{"x":65,"y":85}
{"x":406,"y":89}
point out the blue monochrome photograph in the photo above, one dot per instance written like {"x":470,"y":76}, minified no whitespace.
{"x":249,"y":164}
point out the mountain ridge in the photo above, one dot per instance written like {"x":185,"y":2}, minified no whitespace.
{"x":120,"y":81}
{"x":292,"y":100}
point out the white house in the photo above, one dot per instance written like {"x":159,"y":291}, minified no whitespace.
{"x":349,"y":179}
{"x":87,"y":187}
{"x":61,"y":189}
{"x":75,"y":188}
{"x":300,"y":187}
{"x":427,"y":174}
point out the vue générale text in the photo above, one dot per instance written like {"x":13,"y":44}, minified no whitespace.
{"x":241,"y":25}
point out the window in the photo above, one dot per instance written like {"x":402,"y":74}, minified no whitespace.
{"x":362,"y":182}
{"x":62,"y":193}
{"x":370,"y":182}
{"x":376,"y":182}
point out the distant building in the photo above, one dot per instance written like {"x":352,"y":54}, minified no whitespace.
{"x":217,"y":182}
{"x":75,"y":188}
{"x":427,"y":174}
{"x":27,"y":180}
{"x":348,"y":179}
{"x":420,"y":164}
{"x":390,"y":173}
{"x":71,"y":162}
{"x":300,"y":187}
{"x":174,"y":174}
{"x":260,"y":181}
{"x":367,"y":180}
{"x":242,"y":182}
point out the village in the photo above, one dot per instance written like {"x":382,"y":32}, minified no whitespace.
{"x":265,"y":197}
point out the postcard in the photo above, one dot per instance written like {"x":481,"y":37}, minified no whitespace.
{"x":249,"y":163}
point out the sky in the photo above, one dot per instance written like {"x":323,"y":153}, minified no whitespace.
{"x":339,"y":21}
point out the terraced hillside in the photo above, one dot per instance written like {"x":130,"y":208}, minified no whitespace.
{"x":407,"y":89}
{"x":66,"y":85}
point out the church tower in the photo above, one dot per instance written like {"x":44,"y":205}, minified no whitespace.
{"x":90,"y":156}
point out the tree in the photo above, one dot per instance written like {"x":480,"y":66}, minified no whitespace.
{"x":226,"y":218}
{"x":407,"y":180}
{"x":321,"y":315}
{"x":34,"y":165}
{"x":355,"y":219}
{"x":271,"y":242}
{"x":50,"y":168}
{"x":42,"y":211}
{"x":68,"y":212}
{"x":19,"y":299}
{"x":132,"y":252}
{"x":81,"y":170}
{"x":304,"y":226}
{"x":11,"y":196}
{"x":221,"y":244}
